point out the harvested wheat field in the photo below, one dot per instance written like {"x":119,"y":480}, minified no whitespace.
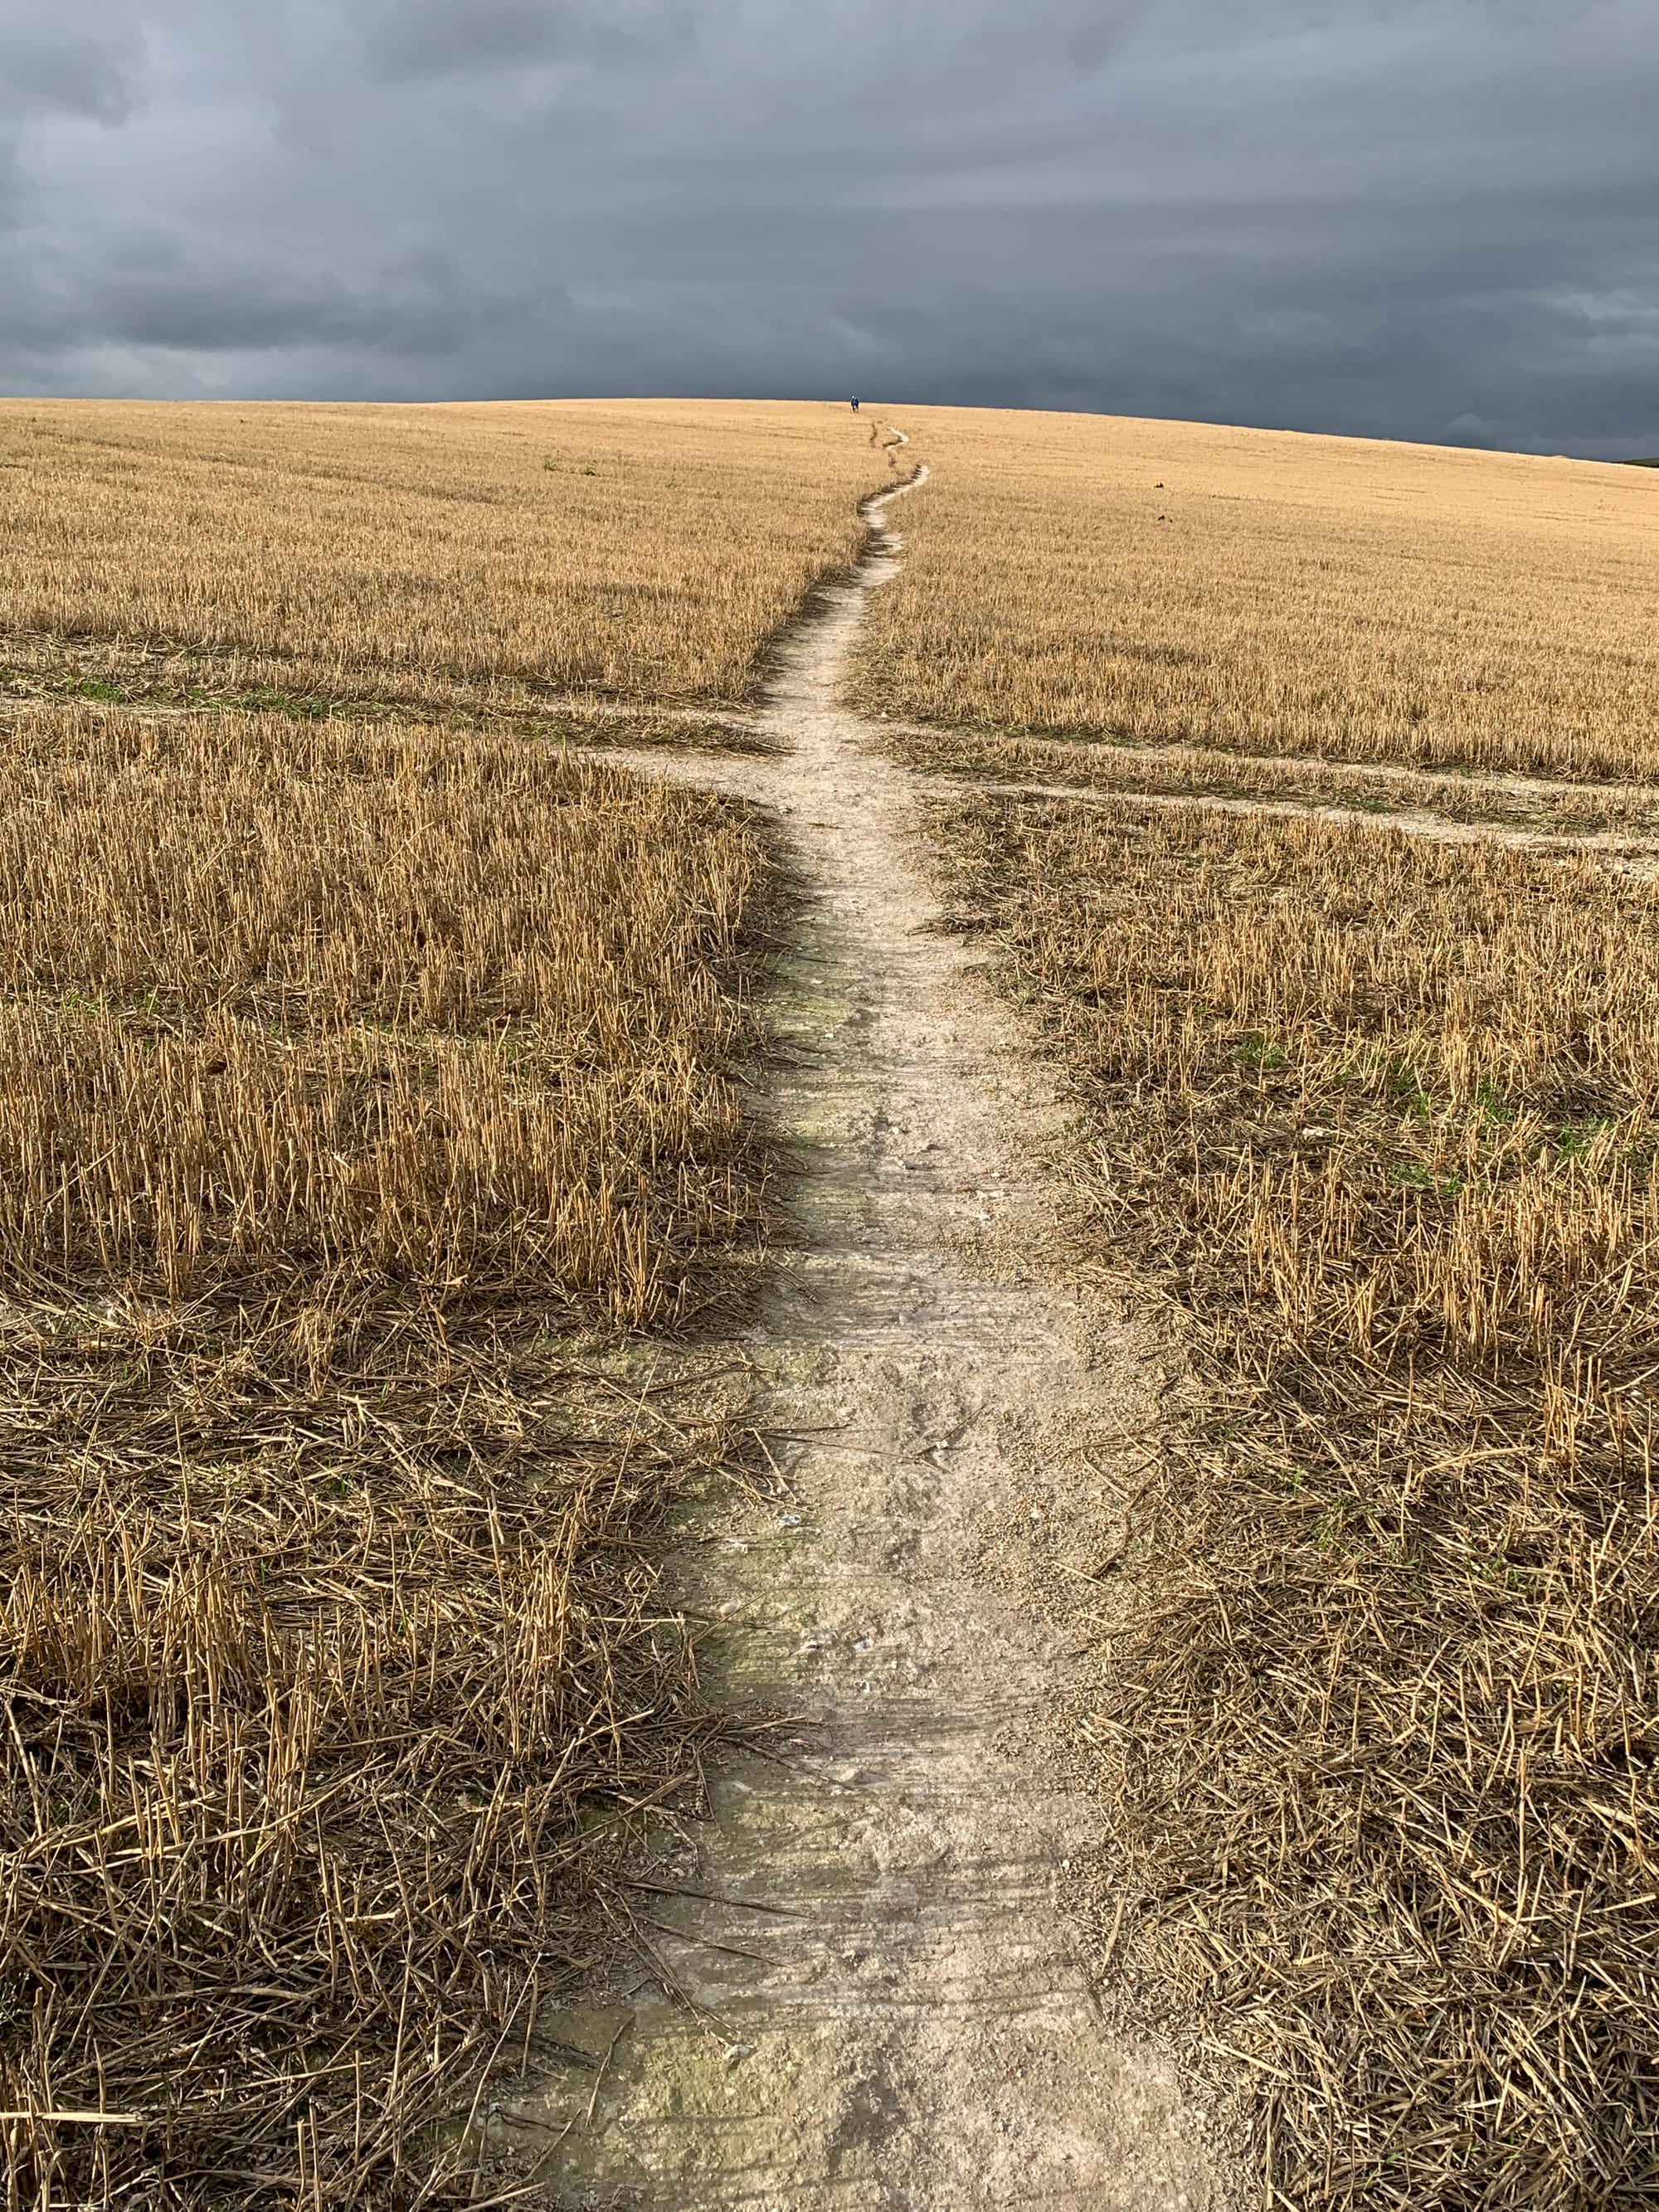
{"x":523,"y":560}
{"x":1366,"y":1110}
{"x":351,"y":1076}
{"x":1377,"y":1732}
{"x":902,"y":1455}
{"x":1254,"y":592}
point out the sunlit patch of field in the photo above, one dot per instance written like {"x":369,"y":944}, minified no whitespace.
{"x":355,"y":1079}
{"x":1375,"y":1713}
{"x":498,"y":560}
{"x":1539,"y":808}
{"x":1378,"y":1724}
{"x":1165,"y":583}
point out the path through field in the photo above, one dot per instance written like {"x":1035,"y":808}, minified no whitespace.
{"x":898,"y":2016}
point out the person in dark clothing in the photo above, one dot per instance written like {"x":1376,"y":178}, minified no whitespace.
{"x":855,"y":403}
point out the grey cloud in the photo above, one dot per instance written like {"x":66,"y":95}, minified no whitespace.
{"x":46,"y":63}
{"x":1425,"y":218}
{"x":426,"y":38}
{"x":52,"y":69}
{"x":243,"y":310}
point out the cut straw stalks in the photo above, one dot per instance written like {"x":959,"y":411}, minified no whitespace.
{"x":491,"y":559}
{"x":348,"y":1072}
{"x":288,"y":999}
{"x":1378,"y":1721}
{"x":1184,"y":584}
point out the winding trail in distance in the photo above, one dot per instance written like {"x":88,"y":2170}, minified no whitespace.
{"x":873,"y":1997}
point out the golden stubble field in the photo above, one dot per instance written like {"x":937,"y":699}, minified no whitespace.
{"x":1167,"y":583}
{"x":379,"y":1107}
{"x":507,"y":557}
{"x":1376,"y":1725}
{"x":377,"y":1132}
{"x":1371,"y":1120}
{"x":360,"y":1084}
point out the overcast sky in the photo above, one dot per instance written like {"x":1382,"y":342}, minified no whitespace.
{"x":1418,"y":218}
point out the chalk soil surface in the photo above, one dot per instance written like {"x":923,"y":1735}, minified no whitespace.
{"x":896,"y":2013}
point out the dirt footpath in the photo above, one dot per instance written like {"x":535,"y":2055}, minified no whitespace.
{"x":873,"y":1999}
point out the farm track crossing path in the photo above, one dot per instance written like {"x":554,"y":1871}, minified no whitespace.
{"x":1415,"y":822}
{"x":873,"y":1997}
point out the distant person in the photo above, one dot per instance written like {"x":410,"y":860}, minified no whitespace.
{"x":855,"y":403}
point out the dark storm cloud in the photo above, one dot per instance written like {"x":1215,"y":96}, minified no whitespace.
{"x":238,"y":309}
{"x":1424,"y":218}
